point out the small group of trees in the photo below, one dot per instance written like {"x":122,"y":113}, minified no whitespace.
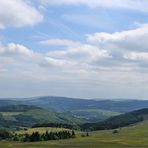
{"x":5,"y":134}
{"x":85,"y":135}
{"x":36,"y":136}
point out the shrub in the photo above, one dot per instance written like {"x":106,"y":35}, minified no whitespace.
{"x":115,"y":131}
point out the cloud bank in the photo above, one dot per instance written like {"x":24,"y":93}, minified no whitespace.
{"x":18,"y":13}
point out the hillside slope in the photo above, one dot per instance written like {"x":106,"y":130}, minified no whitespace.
{"x":118,"y":121}
{"x":26,"y":116}
{"x":80,"y":109}
{"x":128,"y":137}
{"x":64,"y":104}
{"x":93,"y":115}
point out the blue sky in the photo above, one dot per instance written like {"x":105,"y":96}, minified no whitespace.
{"x":75,"y":48}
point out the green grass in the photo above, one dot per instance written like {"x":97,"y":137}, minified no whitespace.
{"x":106,"y":113}
{"x":132,"y":136}
{"x":10,"y":115}
{"x":37,"y":115}
{"x":41,"y":114}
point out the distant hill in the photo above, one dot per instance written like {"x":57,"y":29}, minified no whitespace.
{"x":27,"y":116}
{"x":63,"y":104}
{"x":93,"y":115}
{"x":4,"y":102}
{"x":17,"y":108}
{"x":118,"y":121}
{"x":82,"y":109}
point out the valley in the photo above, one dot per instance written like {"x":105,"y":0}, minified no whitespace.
{"x":106,"y":127}
{"x":131,"y":136}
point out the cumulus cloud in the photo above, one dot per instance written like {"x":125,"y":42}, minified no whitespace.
{"x":19,"y":62}
{"x":83,"y":52}
{"x":66,"y":70}
{"x":15,"y":49}
{"x":18,"y":13}
{"x":102,"y":51}
{"x":104,"y":62}
{"x":139,"y":5}
{"x":135,"y":39}
{"x":125,"y":50}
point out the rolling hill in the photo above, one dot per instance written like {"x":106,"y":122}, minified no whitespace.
{"x":81,"y":109}
{"x":93,"y":115}
{"x":26,"y":116}
{"x":118,"y":121}
{"x":127,"y":137}
{"x":63,"y":104}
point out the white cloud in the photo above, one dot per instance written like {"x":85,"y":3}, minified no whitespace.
{"x":57,"y":64}
{"x":2,"y":69}
{"x":74,"y":55}
{"x":137,"y":56}
{"x":140,"y":5}
{"x":61,"y":72}
{"x":18,"y":13}
{"x":134,"y":40}
{"x":13,"y":49}
{"x":60,"y":42}
{"x":105,"y":62}
{"x":83,"y":52}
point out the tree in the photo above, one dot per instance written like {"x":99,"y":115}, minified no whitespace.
{"x":115,"y":131}
{"x":87,"y":134}
{"x":26,"y":138}
{"x":5,"y":134}
{"x":73,"y":133}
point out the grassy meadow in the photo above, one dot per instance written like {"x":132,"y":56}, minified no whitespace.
{"x":132,"y":136}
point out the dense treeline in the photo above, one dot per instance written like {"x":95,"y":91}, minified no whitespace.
{"x":59,"y":125}
{"x":36,"y":136}
{"x":4,"y":134}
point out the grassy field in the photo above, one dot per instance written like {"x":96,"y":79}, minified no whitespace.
{"x":94,"y":115}
{"x":133,"y":136}
{"x":106,"y":113}
{"x":10,"y":115}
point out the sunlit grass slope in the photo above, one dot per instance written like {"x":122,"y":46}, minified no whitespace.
{"x":132,"y":136}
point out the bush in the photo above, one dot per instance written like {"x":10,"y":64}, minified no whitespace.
{"x":5,"y":134}
{"x":115,"y":131}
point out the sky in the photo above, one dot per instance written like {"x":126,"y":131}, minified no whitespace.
{"x":74,"y":48}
